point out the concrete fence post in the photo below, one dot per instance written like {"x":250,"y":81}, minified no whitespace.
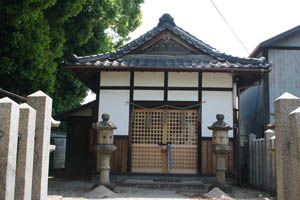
{"x":273,"y":164}
{"x":256,"y":163}
{"x":260,"y":157}
{"x":268,"y":164}
{"x":294,"y":123}
{"x":252,"y":137}
{"x":9,"y":122}
{"x":285,"y":104}
{"x":43,"y":106}
{"x":261,"y":166}
{"x":25,"y":152}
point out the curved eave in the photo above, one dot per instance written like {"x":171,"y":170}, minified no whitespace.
{"x":165,"y":68}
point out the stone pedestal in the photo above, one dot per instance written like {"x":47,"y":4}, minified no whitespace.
{"x":221,"y":148}
{"x":221,"y":152}
{"x":105,"y":151}
{"x":104,"y":147}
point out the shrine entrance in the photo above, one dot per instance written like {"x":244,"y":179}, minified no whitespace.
{"x":164,"y":141}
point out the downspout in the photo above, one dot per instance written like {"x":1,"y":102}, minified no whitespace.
{"x":238,"y":136}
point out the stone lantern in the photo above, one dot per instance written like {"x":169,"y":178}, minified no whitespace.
{"x":220,"y":141}
{"x":104,"y":146}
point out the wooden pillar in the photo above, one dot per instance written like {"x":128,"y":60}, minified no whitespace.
{"x":200,"y":123}
{"x":131,"y":110}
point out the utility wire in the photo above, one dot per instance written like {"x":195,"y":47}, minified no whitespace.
{"x":236,"y":36}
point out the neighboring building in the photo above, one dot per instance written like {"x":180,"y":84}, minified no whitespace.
{"x":257,"y":103}
{"x":78,"y":155}
{"x":163,"y":90}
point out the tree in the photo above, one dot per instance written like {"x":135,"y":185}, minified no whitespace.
{"x":36,"y":36}
{"x":25,"y":57}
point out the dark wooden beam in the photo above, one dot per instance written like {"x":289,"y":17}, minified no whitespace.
{"x":266,"y":89}
{"x":200,"y":123}
{"x":131,"y":110}
{"x":166,"y":77}
{"x":153,"y":104}
{"x":216,"y":89}
{"x":96,"y":119}
{"x":165,"y":88}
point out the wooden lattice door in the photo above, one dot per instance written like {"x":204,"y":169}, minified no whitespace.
{"x":164,"y":141}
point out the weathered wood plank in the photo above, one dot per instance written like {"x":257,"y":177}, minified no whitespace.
{"x":204,"y":157}
{"x":118,"y":161}
{"x":209,"y":160}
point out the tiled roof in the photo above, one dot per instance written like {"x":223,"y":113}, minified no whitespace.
{"x":120,"y":58}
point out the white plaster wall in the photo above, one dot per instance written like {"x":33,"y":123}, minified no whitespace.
{"x":149,"y":79}
{"x":217,"y":80}
{"x":148,"y":95}
{"x":216,"y":102}
{"x":115,"y":79}
{"x":115,"y":103}
{"x":175,"y":95}
{"x":183,"y":79}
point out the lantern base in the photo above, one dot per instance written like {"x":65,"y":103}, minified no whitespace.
{"x":224,"y":187}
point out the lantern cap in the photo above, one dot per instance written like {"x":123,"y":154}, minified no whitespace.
{"x":105,"y":124}
{"x":220,"y":124}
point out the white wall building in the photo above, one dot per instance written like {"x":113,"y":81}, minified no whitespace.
{"x":163,"y":90}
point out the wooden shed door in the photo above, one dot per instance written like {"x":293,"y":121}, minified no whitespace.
{"x":164,"y":141}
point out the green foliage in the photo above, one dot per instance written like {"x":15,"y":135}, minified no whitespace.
{"x":36,"y":36}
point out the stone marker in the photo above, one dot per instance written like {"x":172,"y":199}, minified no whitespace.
{"x":285,"y":104}
{"x":9,"y":122}
{"x":43,"y":106}
{"x":25,"y":152}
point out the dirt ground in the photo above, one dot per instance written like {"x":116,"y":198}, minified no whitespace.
{"x":64,"y":189}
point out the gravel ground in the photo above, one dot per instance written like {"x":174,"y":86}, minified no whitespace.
{"x":63,"y":189}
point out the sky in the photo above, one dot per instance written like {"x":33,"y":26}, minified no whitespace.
{"x":254,"y":21}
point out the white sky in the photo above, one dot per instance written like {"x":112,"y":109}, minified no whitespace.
{"x":253,"y":20}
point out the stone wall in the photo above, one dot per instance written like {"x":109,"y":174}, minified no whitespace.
{"x":24,"y":147}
